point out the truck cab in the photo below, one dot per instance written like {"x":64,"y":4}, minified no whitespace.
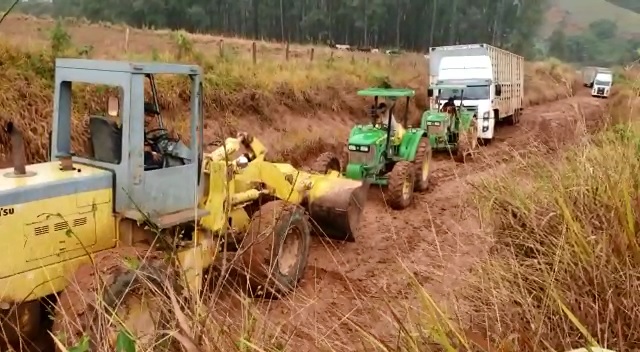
{"x":602,"y":84}
{"x":493,"y":79}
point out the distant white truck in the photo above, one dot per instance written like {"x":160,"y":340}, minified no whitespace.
{"x":602,"y":84}
{"x":589,"y":74}
{"x":493,"y":80}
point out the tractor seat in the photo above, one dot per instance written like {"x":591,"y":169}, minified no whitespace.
{"x":106,"y":139}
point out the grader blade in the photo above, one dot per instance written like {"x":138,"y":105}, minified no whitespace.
{"x":336,"y":206}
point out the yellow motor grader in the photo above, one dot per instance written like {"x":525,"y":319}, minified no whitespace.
{"x":82,"y":234}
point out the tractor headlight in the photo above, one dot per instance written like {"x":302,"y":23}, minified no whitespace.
{"x":359,"y":148}
{"x":433,"y":123}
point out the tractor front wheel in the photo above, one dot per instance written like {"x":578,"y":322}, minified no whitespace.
{"x":422,"y":164}
{"x":276,"y":248}
{"x":326,"y":163}
{"x":467,"y":143}
{"x":124,"y":291}
{"x":401,"y":185}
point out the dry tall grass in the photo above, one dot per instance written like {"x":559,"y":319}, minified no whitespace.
{"x":563,"y":272}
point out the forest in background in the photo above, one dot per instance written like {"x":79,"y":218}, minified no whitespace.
{"x":387,"y":24}
{"x":407,"y":24}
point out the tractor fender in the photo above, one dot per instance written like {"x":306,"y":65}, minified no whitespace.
{"x":409,"y":144}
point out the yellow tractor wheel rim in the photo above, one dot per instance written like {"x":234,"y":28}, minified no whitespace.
{"x":140,"y":317}
{"x":406,"y":189}
{"x":425,"y":169}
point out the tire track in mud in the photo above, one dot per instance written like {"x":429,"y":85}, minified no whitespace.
{"x":437,"y":239}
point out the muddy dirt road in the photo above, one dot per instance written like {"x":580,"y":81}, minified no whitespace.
{"x":437,"y":240}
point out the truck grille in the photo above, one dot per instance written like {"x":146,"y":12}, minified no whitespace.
{"x":600,"y":91}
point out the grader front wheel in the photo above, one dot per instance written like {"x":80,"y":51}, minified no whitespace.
{"x":401,"y":185}
{"x":124,"y":292}
{"x":276,"y":249}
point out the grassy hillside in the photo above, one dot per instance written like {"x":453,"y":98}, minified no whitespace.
{"x":579,"y":13}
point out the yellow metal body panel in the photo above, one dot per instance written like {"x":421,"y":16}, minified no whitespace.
{"x":44,"y":239}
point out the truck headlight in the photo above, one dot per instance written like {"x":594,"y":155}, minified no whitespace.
{"x":485,"y":123}
{"x":485,"y":115}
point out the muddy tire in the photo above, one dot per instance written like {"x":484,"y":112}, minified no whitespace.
{"x":401,"y":184}
{"x":422,"y":165}
{"x":19,"y":324}
{"x":275,"y":252}
{"x":126,"y":281}
{"x":326,"y":162}
{"x":467,"y":144}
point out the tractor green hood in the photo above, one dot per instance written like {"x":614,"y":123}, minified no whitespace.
{"x":435,"y":116}
{"x":366,"y":135}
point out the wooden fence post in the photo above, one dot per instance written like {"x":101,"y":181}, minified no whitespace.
{"x":286,"y":53}
{"x":221,"y":47}
{"x":254,"y":55}
{"x":126,"y":40}
{"x":311,"y":54}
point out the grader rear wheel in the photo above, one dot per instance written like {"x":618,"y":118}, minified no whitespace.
{"x":422,"y":164}
{"x":401,"y":184}
{"x":276,"y":249}
{"x":325,"y":163}
{"x":19,"y":324}
{"x":123,"y":292}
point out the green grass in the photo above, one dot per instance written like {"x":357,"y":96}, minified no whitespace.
{"x":583,"y":12}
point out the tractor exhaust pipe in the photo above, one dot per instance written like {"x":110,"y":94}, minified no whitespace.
{"x":17,"y":150}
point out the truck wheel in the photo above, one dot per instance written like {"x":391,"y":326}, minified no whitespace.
{"x":467,"y":143}
{"x":514,"y":119}
{"x":276,"y":248}
{"x":326,"y":162}
{"x":401,"y":185}
{"x":128,"y":282}
{"x":422,"y":164}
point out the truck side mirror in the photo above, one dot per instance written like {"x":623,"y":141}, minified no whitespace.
{"x":430,"y":93}
{"x":113,"y":107}
{"x":498,"y":90}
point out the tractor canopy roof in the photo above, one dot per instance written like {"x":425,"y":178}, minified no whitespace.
{"x":387,"y":92}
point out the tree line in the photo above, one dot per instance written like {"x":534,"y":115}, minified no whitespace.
{"x":393,"y":24}
{"x":600,"y":45}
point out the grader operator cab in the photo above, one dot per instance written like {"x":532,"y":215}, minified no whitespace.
{"x":452,"y":128}
{"x":76,"y":215}
{"x":385,"y":152}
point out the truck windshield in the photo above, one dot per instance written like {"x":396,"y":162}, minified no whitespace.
{"x":470,"y":93}
{"x":602,"y":82}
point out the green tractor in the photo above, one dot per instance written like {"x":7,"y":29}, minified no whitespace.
{"x":451,"y":128}
{"x":385,"y":152}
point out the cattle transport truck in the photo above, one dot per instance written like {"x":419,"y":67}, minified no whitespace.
{"x":493,"y":81}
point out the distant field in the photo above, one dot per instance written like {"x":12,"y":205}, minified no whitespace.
{"x":579,"y":13}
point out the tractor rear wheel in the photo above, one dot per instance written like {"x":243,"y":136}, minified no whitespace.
{"x":467,"y":143}
{"x":276,"y":248}
{"x":422,"y":164}
{"x":124,"y":286}
{"x":325,"y":163}
{"x":401,"y":184}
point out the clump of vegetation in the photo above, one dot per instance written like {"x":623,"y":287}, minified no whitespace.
{"x":566,"y":253}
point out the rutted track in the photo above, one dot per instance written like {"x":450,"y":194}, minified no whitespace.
{"x":438,"y":239}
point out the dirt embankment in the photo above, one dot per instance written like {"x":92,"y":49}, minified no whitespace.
{"x":295,"y":123}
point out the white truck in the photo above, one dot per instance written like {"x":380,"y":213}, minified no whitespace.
{"x":589,"y":74}
{"x":602,"y":84}
{"x":493,"y":79}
